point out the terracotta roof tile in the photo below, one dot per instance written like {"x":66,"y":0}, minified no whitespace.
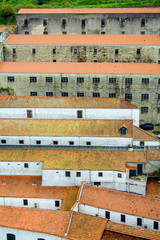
{"x":75,"y":159}
{"x":61,"y":102}
{"x":121,"y":202}
{"x":35,"y":220}
{"x":88,"y":10}
{"x":14,"y":39}
{"x":132,"y":231}
{"x":63,"y":127}
{"x":141,"y":135}
{"x":22,"y":187}
{"x":86,"y":227}
{"x":76,"y":68}
{"x":11,"y":28}
{"x":153,"y":154}
{"x":108,"y":235}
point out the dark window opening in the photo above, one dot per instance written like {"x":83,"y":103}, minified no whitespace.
{"x":10,"y":79}
{"x":119,"y":175}
{"x":142,"y":143}
{"x":142,"y":32}
{"x":45,"y":32}
{"x":83,"y":33}
{"x":100,"y":174}
{"x":80,"y":94}
{"x":95,"y":60}
{"x":95,"y":94}
{"x":64,"y":22}
{"x":44,"y":22}
{"x":158,"y":109}
{"x":26,"y":165}
{"x":38,"y":142}
{"x":71,"y":143}
{"x":103,"y":22}
{"x":144,"y":109}
{"x":33,"y":51}
{"x":3,"y":141}
{"x":54,"y":60}
{"x":75,"y":51}
{"x":145,"y":96}
{"x":128,"y":80}
{"x":145,"y":80}
{"x":123,"y":218}
{"x":33,"y":79}
{"x":64,"y":94}
{"x":128,"y":96}
{"x":155,"y":225}
{"x":83,"y":22}
{"x":64,"y":79}
{"x":26,"y":32}
{"x":143,"y":22}
{"x":95,"y":50}
{"x":14,"y":50}
{"x":68,"y":174}
{"x":103,"y":33}
{"x":123,"y":131}
{"x":107,"y":214}
{"x":97,"y":183}
{"x":25,"y":22}
{"x":21,"y":141}
{"x":80,"y":80}
{"x":80,"y":114}
{"x":33,"y":94}
{"x":55,"y":142}
{"x":11,"y":236}
{"x":96,"y":80}
{"x":64,"y":33}
{"x":112,"y":95}
{"x":132,"y":172}
{"x":54,"y":50}
{"x":116,"y":51}
{"x":88,"y":143}
{"x":138,"y":51}
{"x":25,"y":202}
{"x":57,"y":203}
{"x":49,"y":94}
{"x":116,"y":61}
{"x":49,"y":79}
{"x":78,"y":174}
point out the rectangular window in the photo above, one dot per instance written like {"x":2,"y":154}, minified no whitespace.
{"x":144,"y":109}
{"x":95,"y":51}
{"x":96,"y":94}
{"x":29,"y":113}
{"x":57,"y":203}
{"x":64,"y":94}
{"x":128,"y":96}
{"x":159,"y":81}
{"x":25,"y":202}
{"x":80,"y":94}
{"x":33,"y":79}
{"x":155,"y":225}
{"x":14,"y":50}
{"x":116,"y":51}
{"x":25,"y":22}
{"x":64,"y":33}
{"x":143,"y":22}
{"x":10,"y":79}
{"x":38,"y":142}
{"x":103,"y":33}
{"x":83,"y":22}
{"x":100,"y":174}
{"x":26,"y":165}
{"x":95,"y":60}
{"x":54,"y":60}
{"x":144,"y":96}
{"x":64,"y":79}
{"x":119,"y":175}
{"x":112,"y":95}
{"x":54,"y":50}
{"x":142,"y":32}
{"x":80,"y":114}
{"x":145,"y":80}
{"x":44,"y":22}
{"x":75,"y":51}
{"x":123,"y":32}
{"x":158,"y":109}
{"x":33,"y":50}
{"x":103,"y":23}
{"x":97,"y":183}
{"x":128,"y":80}
{"x":33,"y":94}
{"x":78,"y":174}
{"x":96,"y":80}
{"x":49,"y":79}
{"x":71,"y":143}
{"x":45,"y":32}
{"x":116,"y":61}
{"x":49,"y":94}
{"x":123,"y":218}
{"x":139,"y":221}
{"x":112,"y":80}
{"x":26,"y":32}
{"x":80,"y":79}
{"x":68,"y":174}
{"x":83,"y":33}
{"x":55,"y":142}
{"x":138,"y":51}
{"x":107,"y":214}
{"x":21,"y":141}
{"x":3,"y":141}
{"x":88,"y":143}
{"x":64,"y":22}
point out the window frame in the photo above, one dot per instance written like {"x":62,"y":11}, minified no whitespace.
{"x":79,"y":114}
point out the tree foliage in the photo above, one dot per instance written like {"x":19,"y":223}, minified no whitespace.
{"x":6,"y":10}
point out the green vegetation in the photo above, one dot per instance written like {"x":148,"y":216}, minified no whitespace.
{"x":8,"y":8}
{"x":158,"y":174}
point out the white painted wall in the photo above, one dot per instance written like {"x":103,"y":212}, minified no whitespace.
{"x":41,"y":203}
{"x":64,"y":141}
{"x":71,"y":113}
{"x":147,"y":143}
{"x":17,"y":168}
{"x":26,"y":235}
{"x":131,"y":220}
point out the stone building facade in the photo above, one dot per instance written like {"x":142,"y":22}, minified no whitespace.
{"x":88,"y":48}
{"x":89,"y":21}
{"x":138,"y":84}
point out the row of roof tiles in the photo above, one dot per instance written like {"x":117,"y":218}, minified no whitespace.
{"x":136,"y":40}
{"x":61,"y":102}
{"x":72,"y":128}
{"x":79,"y":68}
{"x":75,"y":160}
{"x":88,"y":10}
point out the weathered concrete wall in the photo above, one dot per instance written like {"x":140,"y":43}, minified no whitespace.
{"x":23,"y":86}
{"x":131,"y":23}
{"x":66,"y":53}
{"x":1,"y":52}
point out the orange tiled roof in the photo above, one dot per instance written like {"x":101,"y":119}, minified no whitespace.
{"x":61,"y":102}
{"x":11,"y":28}
{"x":153,"y":154}
{"x":88,"y":10}
{"x":108,"y":235}
{"x":141,"y":135}
{"x":75,"y":160}
{"x":22,"y":187}
{"x":14,"y":39}
{"x":63,"y":127}
{"x":86,"y":227}
{"x":132,"y":231}
{"x":35,"y":220}
{"x":79,"y":68}
{"x":117,"y":201}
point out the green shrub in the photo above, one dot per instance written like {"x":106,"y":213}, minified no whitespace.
{"x":18,"y":7}
{"x":6,"y":10}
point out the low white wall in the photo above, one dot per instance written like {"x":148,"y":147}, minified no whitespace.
{"x":18,"y":168}
{"x":147,"y":143}
{"x":25,"y":235}
{"x":41,"y":203}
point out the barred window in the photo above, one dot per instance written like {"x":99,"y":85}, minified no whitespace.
{"x":128,"y":80}
{"x":112,"y":80}
{"x":64,"y":94}
{"x":144,"y":96}
{"x":78,"y":174}
{"x":14,"y":50}
{"x":128,"y":96}
{"x":80,"y":80}
{"x":95,"y":50}
{"x":49,"y":94}
{"x":54,"y":50}
{"x":64,"y":79}
{"x":138,"y":51}
{"x":96,"y":80}
{"x":80,"y":94}
{"x":112,"y":95}
{"x":116,"y":51}
{"x":10,"y":79}
{"x":33,"y":79}
{"x":145,"y":80}
{"x":75,"y":51}
{"x":144,"y":109}
{"x":96,"y":94}
{"x":33,"y":94}
{"x":33,"y":50}
{"x":49,"y":79}
{"x":123,"y":131}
